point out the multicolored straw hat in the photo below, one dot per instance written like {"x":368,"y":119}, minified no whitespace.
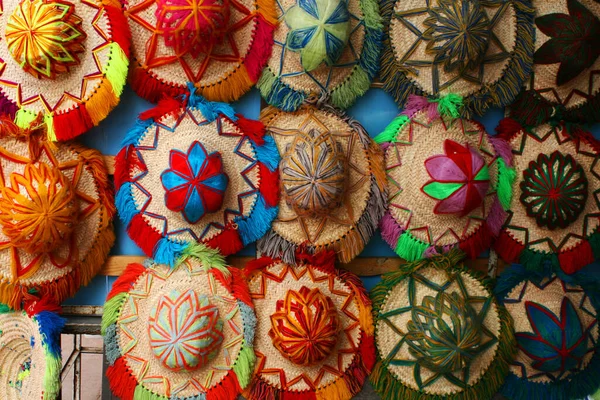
{"x":218,"y":46}
{"x":314,"y":336}
{"x":439,"y":333}
{"x":448,"y":181}
{"x":565,"y":84}
{"x":196,"y":172}
{"x":332,"y":183}
{"x":554,"y":215}
{"x":64,"y":59}
{"x":556,"y":325}
{"x":480,"y":50}
{"x":182,"y":332}
{"x":30,"y":353}
{"x":56,"y":209}
{"x":323,"y":49}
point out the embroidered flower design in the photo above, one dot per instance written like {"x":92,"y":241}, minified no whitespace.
{"x":195,"y":184}
{"x":457,"y":33}
{"x":558,"y":343}
{"x":460,"y":179}
{"x":185,"y":331}
{"x":44,"y":37}
{"x":554,"y":190}
{"x":573,"y":41}
{"x":319,"y":30}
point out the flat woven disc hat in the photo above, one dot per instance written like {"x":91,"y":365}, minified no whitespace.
{"x":556,"y":325}
{"x":65,"y":59}
{"x":219,"y":46}
{"x":56,"y":209}
{"x":439,"y":333}
{"x":448,"y":181}
{"x":480,"y":50}
{"x":314,"y":336}
{"x":564,"y":84}
{"x":323,"y":48}
{"x":332,"y":183}
{"x":554,"y":215}
{"x":182,"y":332}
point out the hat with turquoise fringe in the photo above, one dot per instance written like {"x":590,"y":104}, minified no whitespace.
{"x":323,"y":49}
{"x":448,"y":181}
{"x":183,"y":332}
{"x":439,"y":332}
{"x":556,"y":323}
{"x":480,"y":50}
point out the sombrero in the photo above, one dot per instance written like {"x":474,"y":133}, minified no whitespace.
{"x":314,"y":336}
{"x":565,"y":83}
{"x":448,"y":181}
{"x":480,"y":50}
{"x":556,"y":325}
{"x":219,"y":46}
{"x":439,"y":333}
{"x":323,"y":49}
{"x":554,"y":215}
{"x":64,"y":59}
{"x":56,"y":209}
{"x":182,"y":332}
{"x":332,"y":183}
{"x":30,"y":355}
{"x":196,"y":172}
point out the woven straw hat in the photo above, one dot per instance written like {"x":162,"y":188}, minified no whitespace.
{"x":439,"y":333}
{"x":323,"y":48}
{"x":219,"y":47}
{"x":314,"y":336}
{"x":556,"y":325}
{"x":554,"y":212}
{"x":564,"y":84}
{"x":182,"y":332}
{"x":480,"y":50}
{"x":447,"y":181}
{"x":56,"y":209}
{"x":332,"y":183}
{"x":64,"y":59}
{"x":196,"y":172}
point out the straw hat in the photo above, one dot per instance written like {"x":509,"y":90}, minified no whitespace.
{"x":196,"y":172}
{"x":182,"y":332}
{"x":314,"y":336}
{"x":564,"y":84}
{"x":556,"y":325}
{"x":323,"y":48}
{"x":219,"y":46}
{"x":332,"y":183}
{"x":56,"y":209}
{"x":65,"y":59}
{"x":439,"y":333}
{"x":554,"y":215}
{"x":447,"y":181}
{"x":480,"y":50}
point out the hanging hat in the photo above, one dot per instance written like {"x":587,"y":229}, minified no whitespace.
{"x":439,"y":333}
{"x":554,"y":214}
{"x":56,"y":209}
{"x":182,"y":332}
{"x":556,"y":325}
{"x":219,"y":46}
{"x":323,"y":48}
{"x":480,"y":50}
{"x":196,"y":172}
{"x":64,"y":59}
{"x":564,"y":83}
{"x":332,"y":183}
{"x":314,"y":336}
{"x":447,"y":181}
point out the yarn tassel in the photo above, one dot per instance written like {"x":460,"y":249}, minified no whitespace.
{"x":503,"y":149}
{"x":122,"y":382}
{"x":73,"y":122}
{"x":506,"y":179}
{"x":228,"y":241}
{"x":450,"y":105}
{"x":268,"y":153}
{"x":112,"y":307}
{"x":141,"y":233}
{"x":244,"y":365}
{"x":227,"y":389}
{"x":478,"y":242}
{"x":126,"y":204}
{"x":257,"y":265}
{"x":239,"y":287}
{"x":261,"y":390}
{"x":166,"y":106}
{"x":208,"y":257}
{"x":120,"y":32}
{"x":253,"y":129}
{"x":167,"y":251}
{"x":262,"y":43}
{"x":508,"y":248}
{"x":507,"y":129}
{"x":409,"y":247}
{"x":147,"y":86}
{"x":496,"y":217}
{"x":126,"y":280}
{"x":275,"y":92}
{"x":7,"y":107}
{"x":52,"y":376}
{"x":257,"y":223}
{"x":574,"y":259}
{"x":390,"y":229}
{"x":101,"y":103}
{"x":24,"y":118}
{"x":390,"y":132}
{"x":269,"y":185}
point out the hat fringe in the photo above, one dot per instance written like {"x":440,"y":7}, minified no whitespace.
{"x":50,"y":326}
{"x":7,"y":107}
{"x":121,"y":381}
{"x":149,"y":87}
